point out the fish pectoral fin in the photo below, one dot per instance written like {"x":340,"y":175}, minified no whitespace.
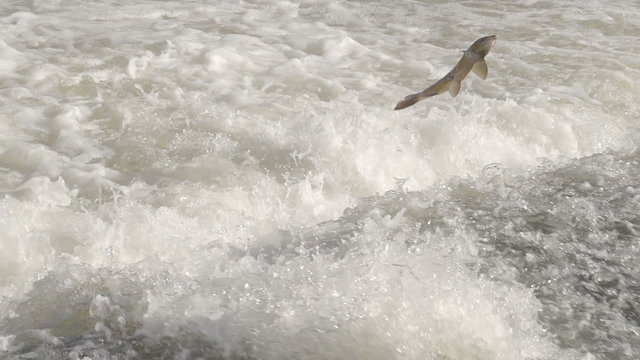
{"x":453,"y":87}
{"x":480,"y":69}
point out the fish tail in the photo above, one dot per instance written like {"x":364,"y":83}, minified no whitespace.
{"x":408,"y":101}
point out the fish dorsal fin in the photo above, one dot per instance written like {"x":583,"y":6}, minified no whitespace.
{"x":454,"y":87}
{"x":480,"y":69}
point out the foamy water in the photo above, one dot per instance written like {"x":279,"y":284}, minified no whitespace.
{"x":227,"y":179}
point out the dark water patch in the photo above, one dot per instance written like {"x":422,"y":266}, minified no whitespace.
{"x":569,"y":232}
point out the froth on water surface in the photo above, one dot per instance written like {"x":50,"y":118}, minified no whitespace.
{"x":228,"y":180}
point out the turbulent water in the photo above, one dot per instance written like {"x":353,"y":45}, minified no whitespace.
{"x":226,"y":179}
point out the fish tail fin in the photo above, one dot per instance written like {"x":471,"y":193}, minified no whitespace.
{"x":408,"y":101}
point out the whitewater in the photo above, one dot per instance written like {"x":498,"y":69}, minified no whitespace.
{"x":227,"y":179}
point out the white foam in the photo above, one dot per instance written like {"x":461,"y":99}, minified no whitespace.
{"x":198,"y":144}
{"x":8,"y":58}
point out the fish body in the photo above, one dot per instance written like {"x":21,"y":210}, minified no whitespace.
{"x":472,"y":60}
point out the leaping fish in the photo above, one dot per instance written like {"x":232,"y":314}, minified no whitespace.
{"x":473,"y":59}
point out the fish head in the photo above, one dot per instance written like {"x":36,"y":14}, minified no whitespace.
{"x":482,"y":46}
